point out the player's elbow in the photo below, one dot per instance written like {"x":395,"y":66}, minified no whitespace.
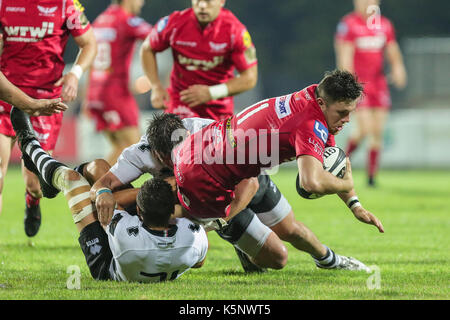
{"x":312,"y":185}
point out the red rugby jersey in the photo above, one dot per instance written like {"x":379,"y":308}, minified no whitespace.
{"x":116,"y":32}
{"x":35,"y":34}
{"x":370,"y":38}
{"x":206,"y":56}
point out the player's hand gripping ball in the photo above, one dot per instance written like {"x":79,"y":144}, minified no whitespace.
{"x":334,"y":161}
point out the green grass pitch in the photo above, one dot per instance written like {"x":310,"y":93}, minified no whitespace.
{"x":411,"y":258}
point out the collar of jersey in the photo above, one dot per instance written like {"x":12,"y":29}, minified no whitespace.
{"x":162,"y":233}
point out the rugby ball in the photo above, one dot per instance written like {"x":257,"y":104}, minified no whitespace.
{"x":334,"y":161}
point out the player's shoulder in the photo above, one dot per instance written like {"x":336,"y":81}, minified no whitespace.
{"x":189,"y":230}
{"x":229,"y":18}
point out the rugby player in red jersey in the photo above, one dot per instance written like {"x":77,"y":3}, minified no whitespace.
{"x":213,"y":166}
{"x":109,"y":100}
{"x":364,"y":37}
{"x":35,"y":35}
{"x":208,"y":44}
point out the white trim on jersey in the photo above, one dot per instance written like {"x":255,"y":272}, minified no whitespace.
{"x":137,"y":159}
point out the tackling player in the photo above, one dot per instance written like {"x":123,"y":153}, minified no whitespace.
{"x":362,"y":40}
{"x":109,"y":100}
{"x":208,"y":43}
{"x":256,"y":232}
{"x":147,"y":247}
{"x":35,"y":35}
{"x":210,"y":164}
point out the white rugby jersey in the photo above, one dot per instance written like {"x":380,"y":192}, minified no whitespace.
{"x":137,"y":158}
{"x":144,"y":255}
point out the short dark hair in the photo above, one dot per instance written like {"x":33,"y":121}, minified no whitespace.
{"x":160,"y":130}
{"x":155,"y":202}
{"x":339,"y":86}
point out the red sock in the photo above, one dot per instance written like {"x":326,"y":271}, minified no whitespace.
{"x":31,"y":201}
{"x":373,"y":162}
{"x":351,"y":146}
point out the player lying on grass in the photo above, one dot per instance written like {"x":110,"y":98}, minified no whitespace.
{"x":149,"y":247}
{"x":258,"y":231}
{"x":211,"y":163}
{"x":34,"y":107}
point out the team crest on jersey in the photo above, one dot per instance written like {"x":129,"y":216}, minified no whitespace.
{"x":217,"y":47}
{"x":133,"y":231}
{"x":162,"y":24}
{"x":282,"y":106}
{"x":321,"y":131}
{"x":47,"y":12}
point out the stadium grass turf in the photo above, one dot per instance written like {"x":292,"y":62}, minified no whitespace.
{"x":412,"y":256}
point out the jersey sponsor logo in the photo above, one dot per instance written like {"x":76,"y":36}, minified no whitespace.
{"x":321,"y":131}
{"x":94,"y":247}
{"x":246,"y":39}
{"x":135,"y":21}
{"x":217,"y":47}
{"x":282,"y":106}
{"x":195,"y":64}
{"x":47,"y":12}
{"x":28,"y":33}
{"x":186,"y":43}
{"x":371,"y":42}
{"x":42,"y":137}
{"x":105,"y":34}
{"x":162,"y":24}
{"x":15,"y":9}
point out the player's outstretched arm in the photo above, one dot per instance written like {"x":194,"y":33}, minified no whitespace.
{"x":16,"y":97}
{"x":363,"y":215}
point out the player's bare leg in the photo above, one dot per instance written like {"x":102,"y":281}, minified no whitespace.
{"x":33,"y":194}
{"x":273,"y":254}
{"x":6,"y":144}
{"x":302,"y":238}
{"x":299,"y":235}
{"x":53,"y":173}
{"x":120,"y":140}
{"x":361,"y":131}
{"x":379,"y":117}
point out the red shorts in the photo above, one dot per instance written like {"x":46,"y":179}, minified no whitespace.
{"x":376,"y":94}
{"x":113,"y":108}
{"x":47,"y":127}
{"x":198,"y":192}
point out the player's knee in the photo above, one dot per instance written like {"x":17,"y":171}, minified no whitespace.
{"x":95,"y":170}
{"x":272,"y":255}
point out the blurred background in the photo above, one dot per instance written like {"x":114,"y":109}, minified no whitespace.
{"x":294,"y":43}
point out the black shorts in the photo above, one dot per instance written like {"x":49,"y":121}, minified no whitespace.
{"x":264,"y":203}
{"x":95,"y":246}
